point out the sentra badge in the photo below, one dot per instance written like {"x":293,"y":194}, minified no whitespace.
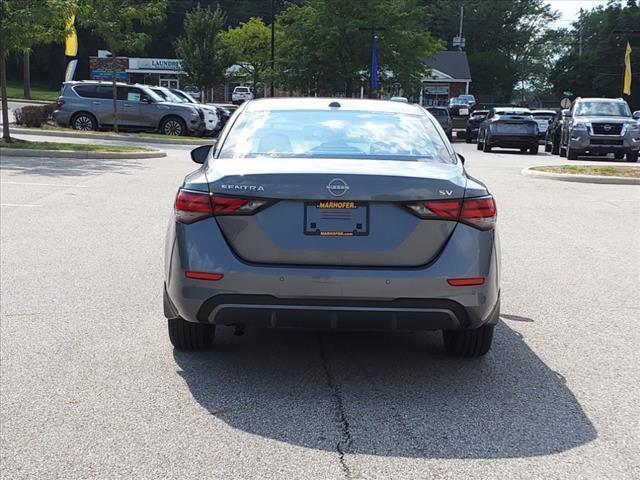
{"x":337,"y":187}
{"x":244,"y":188}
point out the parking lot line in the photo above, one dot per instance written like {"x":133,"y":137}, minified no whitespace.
{"x":18,"y":205}
{"x":44,"y":184}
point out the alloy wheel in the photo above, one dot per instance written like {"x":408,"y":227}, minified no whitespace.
{"x":172,"y":127}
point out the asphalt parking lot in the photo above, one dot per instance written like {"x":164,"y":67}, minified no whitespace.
{"x":91,"y":387}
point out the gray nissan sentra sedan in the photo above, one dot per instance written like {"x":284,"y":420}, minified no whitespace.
{"x":332,"y":214}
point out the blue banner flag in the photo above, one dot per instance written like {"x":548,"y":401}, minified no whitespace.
{"x":374,"y":62}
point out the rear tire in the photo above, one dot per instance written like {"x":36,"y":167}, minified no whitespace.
{"x":173,"y":126}
{"x":479,"y":145}
{"x":563,"y":152}
{"x":486,"y":147}
{"x":84,"y":121}
{"x":571,"y":154}
{"x":190,"y":336}
{"x":632,"y":156}
{"x":618,"y":155}
{"x":555,"y":149}
{"x":534,"y":150}
{"x":547,"y":147}
{"x":523,"y":150}
{"x":468,"y":343}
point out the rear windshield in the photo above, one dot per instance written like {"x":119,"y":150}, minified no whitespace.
{"x":543,"y":115}
{"x":602,"y":109}
{"x":241,"y":90}
{"x":438,"y":112}
{"x":335,"y":134}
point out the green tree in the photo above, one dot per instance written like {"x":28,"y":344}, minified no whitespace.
{"x":203,"y":56}
{"x":321,"y":49}
{"x":596,"y":68}
{"x":117,"y":23}
{"x":27,"y":23}
{"x":250,"y":48}
{"x":503,"y":39}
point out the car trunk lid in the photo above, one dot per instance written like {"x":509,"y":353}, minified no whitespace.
{"x":337,"y":212}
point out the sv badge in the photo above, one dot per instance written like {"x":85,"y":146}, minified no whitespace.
{"x":446,"y":193}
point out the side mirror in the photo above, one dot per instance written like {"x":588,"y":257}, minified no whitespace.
{"x":200,"y":154}
{"x":636,"y":114}
{"x":460,"y":157}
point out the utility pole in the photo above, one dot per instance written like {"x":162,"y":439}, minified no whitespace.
{"x":373,"y":84}
{"x":273,"y":47}
{"x":580,"y":42}
{"x":458,"y":41}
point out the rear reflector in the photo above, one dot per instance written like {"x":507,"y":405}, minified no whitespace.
{"x":465,"y":282}
{"x":478,"y":212}
{"x":203,"y":275}
{"x":191,"y":206}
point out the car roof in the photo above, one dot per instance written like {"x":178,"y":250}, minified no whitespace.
{"x":619,"y":100}
{"x":310,"y":103}
{"x":550,"y":112}
{"x":518,"y":110}
{"x":475,"y":112}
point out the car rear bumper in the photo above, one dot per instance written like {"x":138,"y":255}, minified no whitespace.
{"x":512,"y":141}
{"x":331,"y":297}
{"x":61,"y":117}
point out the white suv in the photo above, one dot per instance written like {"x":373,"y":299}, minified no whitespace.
{"x":241,"y":94}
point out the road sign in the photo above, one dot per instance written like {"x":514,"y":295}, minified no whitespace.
{"x":565,"y":103}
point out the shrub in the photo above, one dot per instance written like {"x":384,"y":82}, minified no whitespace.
{"x":34,"y":115}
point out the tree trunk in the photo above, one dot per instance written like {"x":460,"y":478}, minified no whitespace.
{"x":3,"y":92}
{"x":115,"y":91}
{"x":26,"y":73}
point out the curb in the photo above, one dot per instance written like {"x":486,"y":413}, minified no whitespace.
{"x":118,"y":138}
{"x":570,"y":177}
{"x":21,"y":152}
{"x":28,"y":100}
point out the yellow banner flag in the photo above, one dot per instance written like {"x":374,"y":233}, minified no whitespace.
{"x":627,"y":71}
{"x":71,"y":42}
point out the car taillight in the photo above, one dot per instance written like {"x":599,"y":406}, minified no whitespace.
{"x":478,"y":212}
{"x":60,"y":102}
{"x":191,"y":206}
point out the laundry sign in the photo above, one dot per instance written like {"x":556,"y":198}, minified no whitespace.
{"x":155,"y":64}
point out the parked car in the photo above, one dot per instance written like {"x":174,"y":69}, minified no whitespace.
{"x":225,"y":110}
{"x":554,"y":132}
{"x":332,"y":213}
{"x":210,"y":113}
{"x":441,"y":114}
{"x":542,"y":118}
{"x":88,"y":105}
{"x":241,"y":94}
{"x":509,"y":127}
{"x":599,"y":126}
{"x":458,"y":107}
{"x":469,"y":99}
{"x":473,"y":124}
{"x":193,"y":92}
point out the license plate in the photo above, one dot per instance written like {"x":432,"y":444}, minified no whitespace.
{"x":336,"y":218}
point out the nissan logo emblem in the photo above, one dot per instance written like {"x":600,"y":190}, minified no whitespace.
{"x":337,"y":187}
{"x":607,"y":128}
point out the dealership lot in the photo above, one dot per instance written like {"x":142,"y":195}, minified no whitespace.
{"x":92,"y":388}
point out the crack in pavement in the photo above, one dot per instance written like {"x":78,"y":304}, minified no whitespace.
{"x":345,"y":444}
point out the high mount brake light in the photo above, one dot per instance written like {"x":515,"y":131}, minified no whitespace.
{"x":191,"y":206}
{"x":477,"y":212}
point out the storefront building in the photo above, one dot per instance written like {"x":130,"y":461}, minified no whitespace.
{"x":166,"y":72}
{"x":449,"y":77}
